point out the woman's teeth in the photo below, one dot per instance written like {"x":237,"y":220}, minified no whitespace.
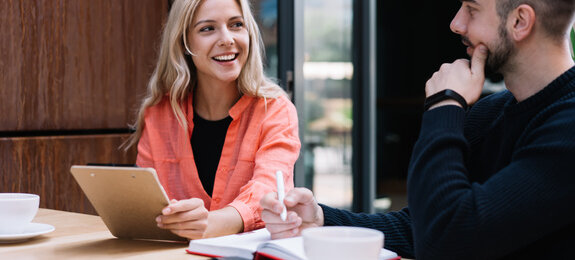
{"x":225,"y":57}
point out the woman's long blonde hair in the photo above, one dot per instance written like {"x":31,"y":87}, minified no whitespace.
{"x":175,"y":74}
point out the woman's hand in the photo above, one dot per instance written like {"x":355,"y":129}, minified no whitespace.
{"x":185,"y":218}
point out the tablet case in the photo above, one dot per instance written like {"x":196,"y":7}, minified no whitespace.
{"x":128,"y":199}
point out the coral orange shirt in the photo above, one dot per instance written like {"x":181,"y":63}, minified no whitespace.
{"x":261,"y":139}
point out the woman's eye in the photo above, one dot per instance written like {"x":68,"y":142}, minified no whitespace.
{"x":206,"y":29}
{"x":238,"y":24}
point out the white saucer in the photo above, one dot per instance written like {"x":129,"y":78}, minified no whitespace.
{"x":31,"y":230}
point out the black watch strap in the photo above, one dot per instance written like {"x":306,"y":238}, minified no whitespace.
{"x":444,"y":95}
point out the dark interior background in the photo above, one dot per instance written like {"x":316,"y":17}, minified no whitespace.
{"x":413,"y":40}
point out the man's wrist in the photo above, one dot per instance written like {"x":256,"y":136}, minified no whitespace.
{"x":444,"y":97}
{"x":445,"y":103}
{"x":319,"y":217}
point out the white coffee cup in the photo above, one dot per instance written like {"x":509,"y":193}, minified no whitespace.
{"x":337,"y":243}
{"x":16,"y":211}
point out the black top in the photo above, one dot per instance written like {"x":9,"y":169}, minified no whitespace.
{"x":207,"y":142}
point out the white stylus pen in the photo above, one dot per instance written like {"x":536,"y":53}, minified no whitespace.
{"x":281,"y":193}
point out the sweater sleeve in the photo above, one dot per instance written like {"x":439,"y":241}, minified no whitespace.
{"x":396,"y":226}
{"x":455,"y":218}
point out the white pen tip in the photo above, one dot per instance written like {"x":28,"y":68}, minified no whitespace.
{"x":281,"y":193}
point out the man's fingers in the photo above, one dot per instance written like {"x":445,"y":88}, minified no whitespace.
{"x":478,"y":60}
{"x":270,"y":202}
{"x":286,"y":234}
{"x":298,"y":196}
{"x":270,"y":217}
{"x":281,"y":227}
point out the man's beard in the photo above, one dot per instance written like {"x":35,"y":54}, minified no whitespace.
{"x":499,"y":55}
{"x":498,"y":60}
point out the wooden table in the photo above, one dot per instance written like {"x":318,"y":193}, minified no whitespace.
{"x":81,"y":236}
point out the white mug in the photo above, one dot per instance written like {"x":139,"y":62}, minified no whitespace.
{"x":338,"y":243}
{"x":16,"y":211}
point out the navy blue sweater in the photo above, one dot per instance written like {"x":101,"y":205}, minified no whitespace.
{"x":497,"y":182}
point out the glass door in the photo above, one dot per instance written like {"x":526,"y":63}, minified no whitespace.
{"x":266,"y":15}
{"x":313,"y":47}
{"x":327,"y":107}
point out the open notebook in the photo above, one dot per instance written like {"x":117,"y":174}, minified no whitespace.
{"x":257,"y":245}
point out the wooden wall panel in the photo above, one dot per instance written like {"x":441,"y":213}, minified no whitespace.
{"x":72,"y":64}
{"x":41,"y":165}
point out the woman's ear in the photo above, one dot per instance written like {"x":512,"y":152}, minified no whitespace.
{"x":521,"y":22}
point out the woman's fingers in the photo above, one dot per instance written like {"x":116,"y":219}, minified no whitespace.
{"x":182,"y":205}
{"x":185,"y":218}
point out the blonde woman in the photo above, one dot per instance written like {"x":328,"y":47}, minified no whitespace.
{"x":212,"y":125}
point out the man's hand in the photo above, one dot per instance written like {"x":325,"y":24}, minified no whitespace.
{"x":461,"y":76}
{"x":303,"y":212}
{"x":185,"y":218}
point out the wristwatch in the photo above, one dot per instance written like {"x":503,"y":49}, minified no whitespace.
{"x":444,"y":95}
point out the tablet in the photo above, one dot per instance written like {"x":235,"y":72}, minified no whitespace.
{"x":128,"y":199}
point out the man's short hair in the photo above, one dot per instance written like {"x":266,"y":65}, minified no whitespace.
{"x":555,"y":16}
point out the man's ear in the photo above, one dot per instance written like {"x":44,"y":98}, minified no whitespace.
{"x":521,"y":22}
